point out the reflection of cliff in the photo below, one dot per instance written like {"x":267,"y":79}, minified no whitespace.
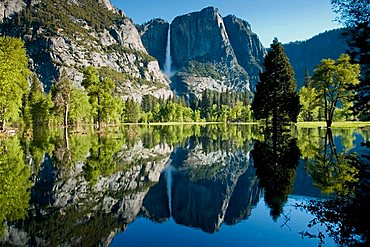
{"x":245,"y":196}
{"x":208,"y":189}
{"x":78,"y":213}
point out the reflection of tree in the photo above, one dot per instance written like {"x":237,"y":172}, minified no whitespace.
{"x":101,"y":160}
{"x":276,"y":160}
{"x":346,"y":218}
{"x":14,"y":182}
{"x":330,"y":169}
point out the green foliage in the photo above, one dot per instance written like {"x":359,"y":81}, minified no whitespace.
{"x":330,"y":170}
{"x":106,"y":108}
{"x":203,"y":70}
{"x":14,"y":182}
{"x":80,"y":109}
{"x":131,"y":111}
{"x":276,"y":98}
{"x":62,"y":96}
{"x":333,"y":80}
{"x":59,"y":15}
{"x":13,"y":78}
{"x":310,"y":104}
{"x":40,"y":104}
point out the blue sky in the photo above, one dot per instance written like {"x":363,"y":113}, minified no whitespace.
{"x":289,"y":20}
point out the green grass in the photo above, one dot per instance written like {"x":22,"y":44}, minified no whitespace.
{"x":348,"y":124}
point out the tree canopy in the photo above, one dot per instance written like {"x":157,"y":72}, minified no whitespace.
{"x":13,"y":78}
{"x":333,"y":80}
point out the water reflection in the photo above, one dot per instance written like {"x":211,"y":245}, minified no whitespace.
{"x":276,"y":159}
{"x":346,"y":175}
{"x":72,"y":189}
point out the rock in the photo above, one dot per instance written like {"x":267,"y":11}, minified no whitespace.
{"x":199,"y":35}
{"x":9,"y":7}
{"x":247,"y":47}
{"x":108,"y":5}
{"x":204,"y":55}
{"x":154,"y":37}
{"x":116,"y":45}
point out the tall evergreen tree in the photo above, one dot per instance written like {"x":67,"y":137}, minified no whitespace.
{"x":62,"y":95}
{"x":355,"y":15}
{"x":276,"y":100}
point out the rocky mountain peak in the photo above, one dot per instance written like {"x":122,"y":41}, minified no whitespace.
{"x":207,"y":51}
{"x":71,"y":35}
{"x":107,"y":4}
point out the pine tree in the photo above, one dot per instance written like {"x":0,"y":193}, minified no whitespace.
{"x":276,"y":98}
{"x":62,"y":95}
{"x":354,"y":14}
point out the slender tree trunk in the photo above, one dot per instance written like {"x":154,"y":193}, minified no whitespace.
{"x":327,"y":113}
{"x":65,"y":122}
{"x":99,"y":115}
{"x":2,"y":125}
{"x":66,"y":141}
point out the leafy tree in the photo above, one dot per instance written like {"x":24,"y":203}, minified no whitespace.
{"x":13,"y":78}
{"x":132,"y":111}
{"x":354,"y":14}
{"x":332,"y":80}
{"x":14,"y":182}
{"x":310,"y":104}
{"x":63,"y":95}
{"x":276,"y":98}
{"x":80,"y":108}
{"x":104,"y":104}
{"x":40,"y":104}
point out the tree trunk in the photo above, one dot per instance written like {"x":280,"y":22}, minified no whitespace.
{"x":66,"y":141}
{"x":99,"y":115}
{"x":2,"y":125}
{"x":329,"y":123}
{"x":65,"y":122}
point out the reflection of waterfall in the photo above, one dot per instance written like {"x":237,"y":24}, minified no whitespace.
{"x":168,"y":175}
{"x":168,"y":63}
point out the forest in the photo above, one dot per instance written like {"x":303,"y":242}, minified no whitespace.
{"x":335,"y":92}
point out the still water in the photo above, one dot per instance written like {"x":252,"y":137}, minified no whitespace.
{"x":214,"y":185}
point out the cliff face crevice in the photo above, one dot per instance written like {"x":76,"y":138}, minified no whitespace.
{"x":247,"y":47}
{"x":154,"y":37}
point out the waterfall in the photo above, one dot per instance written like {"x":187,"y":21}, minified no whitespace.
{"x":168,"y":175}
{"x":168,"y":63}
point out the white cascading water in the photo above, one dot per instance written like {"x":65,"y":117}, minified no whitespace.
{"x":168,"y":175}
{"x":168,"y":63}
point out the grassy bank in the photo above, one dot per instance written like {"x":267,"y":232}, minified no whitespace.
{"x":348,"y":124}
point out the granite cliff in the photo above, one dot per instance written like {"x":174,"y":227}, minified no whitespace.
{"x":207,"y":51}
{"x":71,"y":35}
